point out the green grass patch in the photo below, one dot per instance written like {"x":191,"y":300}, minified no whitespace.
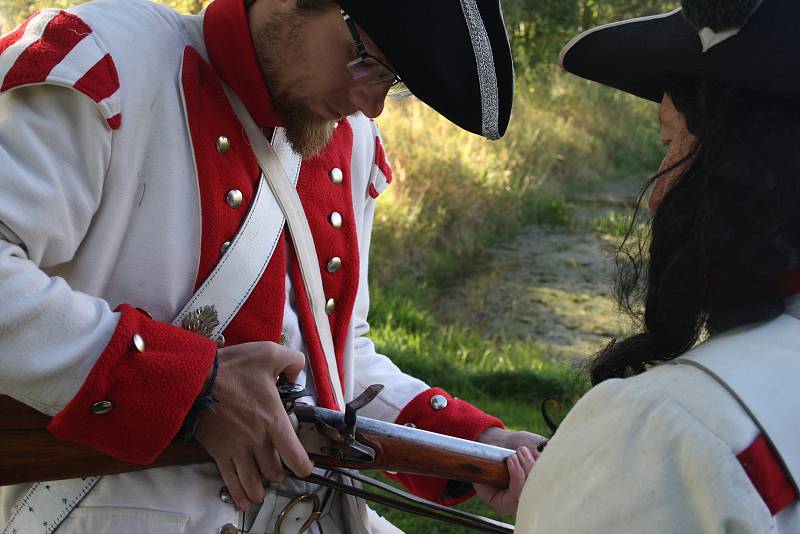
{"x":612,"y":223}
{"x":462,"y":361}
{"x":550,"y":210}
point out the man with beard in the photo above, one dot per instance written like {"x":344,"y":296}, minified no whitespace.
{"x":132,"y":219}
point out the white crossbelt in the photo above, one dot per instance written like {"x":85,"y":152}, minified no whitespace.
{"x":240,"y":268}
{"x":47,"y":504}
{"x":289,"y":201}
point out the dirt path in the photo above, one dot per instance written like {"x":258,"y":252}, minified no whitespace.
{"x":551,"y":284}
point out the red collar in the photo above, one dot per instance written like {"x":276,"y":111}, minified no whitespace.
{"x":230,"y":49}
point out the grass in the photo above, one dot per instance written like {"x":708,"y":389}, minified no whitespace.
{"x":454,"y":193}
{"x":612,"y":223}
{"x":457,"y":358}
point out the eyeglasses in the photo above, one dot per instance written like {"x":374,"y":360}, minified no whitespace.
{"x":368,"y":69}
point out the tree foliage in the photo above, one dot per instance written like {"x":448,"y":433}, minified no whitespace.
{"x":12,"y":12}
{"x":538,"y":29}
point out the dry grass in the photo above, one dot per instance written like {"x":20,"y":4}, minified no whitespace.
{"x":455,"y":192}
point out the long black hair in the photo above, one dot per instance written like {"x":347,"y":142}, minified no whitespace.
{"x":723,"y":236}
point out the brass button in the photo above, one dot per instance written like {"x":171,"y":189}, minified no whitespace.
{"x":230,"y":528}
{"x":225,"y":246}
{"x":337,"y":176}
{"x":234,"y":198}
{"x":330,"y":306}
{"x":438,"y":402}
{"x":101,"y":407}
{"x":138,"y":342}
{"x":336,"y":219}
{"x":220,"y":341}
{"x":225,"y":495}
{"x":334,"y":264}
{"x":223,"y":144}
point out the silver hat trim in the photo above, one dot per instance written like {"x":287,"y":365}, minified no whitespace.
{"x":577,"y":38}
{"x":487,"y":76}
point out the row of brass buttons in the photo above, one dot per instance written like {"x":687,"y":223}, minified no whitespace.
{"x":334,"y":264}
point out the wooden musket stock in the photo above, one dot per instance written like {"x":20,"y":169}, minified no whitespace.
{"x":28,"y":453}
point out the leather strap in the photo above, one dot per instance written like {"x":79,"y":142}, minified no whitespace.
{"x":47,"y":504}
{"x":287,"y":198}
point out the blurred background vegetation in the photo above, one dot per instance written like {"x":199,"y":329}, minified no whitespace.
{"x":456,"y":195}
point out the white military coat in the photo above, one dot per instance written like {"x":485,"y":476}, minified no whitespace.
{"x":113,"y":196}
{"x":672,"y":451}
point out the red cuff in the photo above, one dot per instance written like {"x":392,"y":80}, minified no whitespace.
{"x":150,"y":392}
{"x":459,"y":419}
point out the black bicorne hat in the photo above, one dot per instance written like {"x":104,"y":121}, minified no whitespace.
{"x":748,"y":44}
{"x":454,"y":55}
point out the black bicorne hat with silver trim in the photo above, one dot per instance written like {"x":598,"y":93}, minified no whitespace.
{"x":747,"y":44}
{"x":454,"y":55}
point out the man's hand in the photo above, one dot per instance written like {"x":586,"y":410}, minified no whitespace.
{"x":504,"y":502}
{"x":249,"y":432}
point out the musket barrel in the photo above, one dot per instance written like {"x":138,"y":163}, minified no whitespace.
{"x":442,"y":442}
{"x":402,"y":449}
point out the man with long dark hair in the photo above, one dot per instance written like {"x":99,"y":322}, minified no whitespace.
{"x":678,"y":436}
{"x":148,"y":286}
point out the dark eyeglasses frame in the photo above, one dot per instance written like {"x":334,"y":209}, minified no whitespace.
{"x":361,"y":50}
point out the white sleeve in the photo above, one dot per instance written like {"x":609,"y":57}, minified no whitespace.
{"x":630,"y":460}
{"x":371,"y":367}
{"x":55,"y":148}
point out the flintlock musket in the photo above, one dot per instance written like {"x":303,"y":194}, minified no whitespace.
{"x":28,"y":453}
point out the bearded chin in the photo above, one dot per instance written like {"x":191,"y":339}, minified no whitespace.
{"x":307,"y":133}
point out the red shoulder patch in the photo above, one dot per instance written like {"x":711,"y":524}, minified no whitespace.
{"x":59,"y":36}
{"x":767,"y":474}
{"x":381,"y":162}
{"x":380,"y":181}
{"x":58,"y":47}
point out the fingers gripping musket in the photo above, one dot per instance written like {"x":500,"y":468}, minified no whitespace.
{"x":346,"y":440}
